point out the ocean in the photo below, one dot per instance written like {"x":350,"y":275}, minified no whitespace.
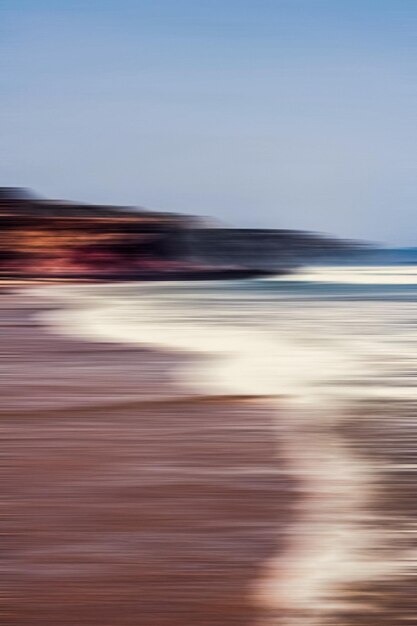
{"x":334,"y":349}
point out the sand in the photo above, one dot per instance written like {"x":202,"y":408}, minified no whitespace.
{"x":129,"y":499}
{"x":124,"y":502}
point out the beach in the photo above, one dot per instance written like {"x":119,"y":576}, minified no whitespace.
{"x":210,"y":455}
{"x":125,"y":501}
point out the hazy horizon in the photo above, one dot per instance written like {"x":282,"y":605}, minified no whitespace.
{"x":276,"y":113}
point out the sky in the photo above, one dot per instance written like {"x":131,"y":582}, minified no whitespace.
{"x":260,"y":113}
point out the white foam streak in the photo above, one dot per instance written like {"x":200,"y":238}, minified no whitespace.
{"x":359,"y":275}
{"x":305,"y":354}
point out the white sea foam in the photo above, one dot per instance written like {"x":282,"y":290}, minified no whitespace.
{"x":359,"y":275}
{"x":314,"y":354}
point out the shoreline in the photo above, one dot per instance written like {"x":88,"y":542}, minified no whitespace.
{"x":319,"y":552}
{"x":137,"y":511}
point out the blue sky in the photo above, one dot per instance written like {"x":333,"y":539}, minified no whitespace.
{"x":277,"y":113}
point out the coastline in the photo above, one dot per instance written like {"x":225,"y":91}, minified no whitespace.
{"x":126,"y":502}
{"x":297,"y":503}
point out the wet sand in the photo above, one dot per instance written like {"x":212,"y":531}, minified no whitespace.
{"x":125,"y":502}
{"x":129,"y":499}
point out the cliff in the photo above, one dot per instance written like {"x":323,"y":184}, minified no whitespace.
{"x":47,"y":238}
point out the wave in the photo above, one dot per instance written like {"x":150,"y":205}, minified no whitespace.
{"x":312,"y":361}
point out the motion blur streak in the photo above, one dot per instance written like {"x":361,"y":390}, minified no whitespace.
{"x":208,"y":406}
{"x":332,"y":366}
{"x":182,"y":446}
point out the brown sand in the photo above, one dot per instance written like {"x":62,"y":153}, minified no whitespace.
{"x":118,"y":509}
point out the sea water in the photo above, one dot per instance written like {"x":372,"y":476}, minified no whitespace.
{"x":333,"y":346}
